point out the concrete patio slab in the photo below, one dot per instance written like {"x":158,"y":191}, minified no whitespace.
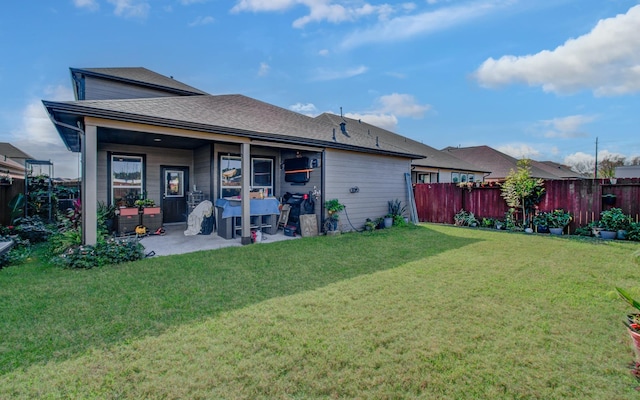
{"x":175,"y":242}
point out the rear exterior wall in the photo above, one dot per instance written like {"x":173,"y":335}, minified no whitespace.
{"x":378,"y":179}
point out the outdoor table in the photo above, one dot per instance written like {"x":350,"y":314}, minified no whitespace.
{"x":264,"y":215}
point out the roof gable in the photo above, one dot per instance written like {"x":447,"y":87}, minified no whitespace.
{"x":135,"y":76}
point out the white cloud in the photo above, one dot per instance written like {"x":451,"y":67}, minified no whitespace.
{"x":605,"y":60}
{"x":408,"y":26}
{"x":384,"y":121}
{"x":324,"y":52}
{"x":397,"y":75}
{"x":328,"y":75}
{"x":388,"y":108}
{"x":581,"y":162}
{"x":130,"y":8}
{"x":264,"y":69}
{"x":567,"y":127}
{"x":519,"y":150}
{"x":308,"y":109}
{"x":403,"y":105}
{"x":322,"y":10}
{"x":199,"y":21}
{"x":38,"y":136}
{"x":88,"y":4}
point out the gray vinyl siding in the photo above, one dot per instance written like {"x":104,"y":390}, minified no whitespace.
{"x":103,"y":89}
{"x":202,"y":171}
{"x":154,"y":157}
{"x":379,"y":179}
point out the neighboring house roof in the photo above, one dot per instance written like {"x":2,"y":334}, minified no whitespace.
{"x":432,"y":157}
{"x":498,"y":163}
{"x":136,"y":76}
{"x":628,"y":171}
{"x":11,"y":168}
{"x":234,"y":115}
{"x":7,"y":150}
{"x":560,"y":170}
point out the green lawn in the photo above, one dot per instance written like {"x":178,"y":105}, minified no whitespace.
{"x":420,"y":312}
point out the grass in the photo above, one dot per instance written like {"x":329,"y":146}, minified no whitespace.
{"x":422,"y":312}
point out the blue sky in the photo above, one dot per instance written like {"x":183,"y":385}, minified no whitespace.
{"x":541,"y":79}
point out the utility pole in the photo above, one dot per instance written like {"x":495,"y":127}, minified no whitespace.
{"x":595,"y":170}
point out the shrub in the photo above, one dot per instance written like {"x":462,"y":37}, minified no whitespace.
{"x":634,"y":231}
{"x":19,"y":252}
{"x":32,"y":229}
{"x":112,"y":251}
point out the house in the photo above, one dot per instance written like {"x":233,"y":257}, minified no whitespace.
{"x":498,"y":163}
{"x":628,"y":171}
{"x":435,"y":166}
{"x":143,"y":134}
{"x":560,"y":170}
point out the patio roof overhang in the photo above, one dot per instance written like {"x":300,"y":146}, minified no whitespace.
{"x":70,"y":118}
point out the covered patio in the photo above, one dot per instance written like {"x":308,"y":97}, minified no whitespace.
{"x":174,"y":241}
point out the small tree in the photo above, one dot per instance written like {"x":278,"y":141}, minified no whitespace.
{"x":520,"y":190}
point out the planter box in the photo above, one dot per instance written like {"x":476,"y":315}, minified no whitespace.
{"x":151,"y":210}
{"x":127,"y":223}
{"x":129,"y":211}
{"x":152,"y":222}
{"x":608,"y":235}
{"x":556,"y":231}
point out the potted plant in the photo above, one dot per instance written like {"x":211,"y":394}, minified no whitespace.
{"x":333,"y":207}
{"x":633,"y":320}
{"x":106,"y":215}
{"x":5,"y":178}
{"x":557,"y":220}
{"x":614,"y":223}
{"x":540,"y":220}
{"x":395,"y":212}
{"x":464,"y":218}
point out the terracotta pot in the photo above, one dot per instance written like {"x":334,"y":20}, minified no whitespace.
{"x":635,"y":337}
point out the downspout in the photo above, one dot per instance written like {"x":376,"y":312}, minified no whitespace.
{"x":62,"y":124}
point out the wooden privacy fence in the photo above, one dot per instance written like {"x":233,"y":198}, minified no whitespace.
{"x":583,"y":198}
{"x":6,"y":194}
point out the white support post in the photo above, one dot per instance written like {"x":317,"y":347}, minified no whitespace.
{"x":246,"y":187}
{"x":89,"y":185}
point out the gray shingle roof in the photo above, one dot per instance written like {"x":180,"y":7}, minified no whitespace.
{"x":140,"y":76}
{"x":230,"y":114}
{"x":434,"y":158}
{"x":560,"y":170}
{"x":498,"y":163}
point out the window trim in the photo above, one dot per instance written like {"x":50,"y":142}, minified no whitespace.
{"x":110,"y":155}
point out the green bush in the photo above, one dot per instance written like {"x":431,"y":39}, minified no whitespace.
{"x":19,"y":252}
{"x":32,"y":229}
{"x":112,"y":251}
{"x":633,"y":233}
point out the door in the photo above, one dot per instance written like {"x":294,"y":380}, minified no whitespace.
{"x":175,"y":183}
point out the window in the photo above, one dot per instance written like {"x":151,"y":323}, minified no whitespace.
{"x":455,"y":177}
{"x":126,"y":179}
{"x":174,"y":186}
{"x":230,"y":176}
{"x":262,"y":174}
